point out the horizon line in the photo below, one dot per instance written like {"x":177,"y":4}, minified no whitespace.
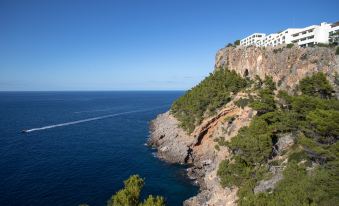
{"x":146,"y":90}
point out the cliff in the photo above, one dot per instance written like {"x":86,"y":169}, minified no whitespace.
{"x":287,"y":66}
{"x":201,"y":148}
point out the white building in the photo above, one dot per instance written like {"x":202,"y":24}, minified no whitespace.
{"x":304,"y":37}
{"x":334,"y":33}
{"x":312,"y":35}
{"x":283,"y":37}
{"x":254,"y":39}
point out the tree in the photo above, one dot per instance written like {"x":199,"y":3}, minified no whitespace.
{"x":130,"y":194}
{"x":236,"y":42}
{"x":316,"y":85}
{"x":325,"y":122}
{"x":153,"y":201}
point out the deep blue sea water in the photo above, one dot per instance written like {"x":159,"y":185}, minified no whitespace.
{"x":84,"y":162}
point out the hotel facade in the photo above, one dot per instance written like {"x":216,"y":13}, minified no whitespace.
{"x":324,"y":33}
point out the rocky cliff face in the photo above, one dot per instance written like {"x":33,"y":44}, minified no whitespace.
{"x":286,"y":66}
{"x":199,"y":148}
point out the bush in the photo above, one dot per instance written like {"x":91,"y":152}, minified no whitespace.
{"x":234,"y":173}
{"x":236,"y":42}
{"x":279,"y":50}
{"x":153,"y":201}
{"x":289,"y":45}
{"x":337,"y":50}
{"x":322,"y":45}
{"x":229,"y":45}
{"x":243,"y":102}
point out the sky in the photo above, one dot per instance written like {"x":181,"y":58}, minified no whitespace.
{"x":61,"y":45}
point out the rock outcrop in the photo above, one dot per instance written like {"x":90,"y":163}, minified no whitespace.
{"x":171,"y":141}
{"x":199,"y":148}
{"x":287,"y":66}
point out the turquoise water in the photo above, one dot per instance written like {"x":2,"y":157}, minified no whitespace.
{"x":81,"y":147}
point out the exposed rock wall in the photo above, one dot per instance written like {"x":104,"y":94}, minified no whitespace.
{"x":198,"y":148}
{"x":171,"y":141}
{"x":287,"y":66}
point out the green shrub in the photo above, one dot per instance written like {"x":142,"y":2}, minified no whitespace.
{"x":322,"y":45}
{"x":337,"y":50}
{"x":229,"y":45}
{"x":234,"y":173}
{"x":277,"y":50}
{"x":243,"y":102}
{"x":289,"y":45}
{"x":153,"y":201}
{"x":298,"y":156}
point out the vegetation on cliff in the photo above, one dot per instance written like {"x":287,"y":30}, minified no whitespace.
{"x":310,"y":172}
{"x":205,"y":98}
{"x":130,"y":195}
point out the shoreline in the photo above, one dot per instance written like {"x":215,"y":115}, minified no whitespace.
{"x":175,"y":146}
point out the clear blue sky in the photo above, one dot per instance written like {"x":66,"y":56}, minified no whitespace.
{"x":132,"y":45}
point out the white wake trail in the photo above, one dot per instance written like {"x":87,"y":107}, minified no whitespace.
{"x":90,"y":119}
{"x":91,"y":111}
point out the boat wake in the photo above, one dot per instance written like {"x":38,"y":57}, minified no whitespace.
{"x":91,"y":111}
{"x":90,"y":119}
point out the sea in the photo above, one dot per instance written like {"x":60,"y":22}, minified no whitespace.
{"x":79,"y":147}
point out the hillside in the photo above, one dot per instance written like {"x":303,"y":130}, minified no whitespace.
{"x":262,"y":129}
